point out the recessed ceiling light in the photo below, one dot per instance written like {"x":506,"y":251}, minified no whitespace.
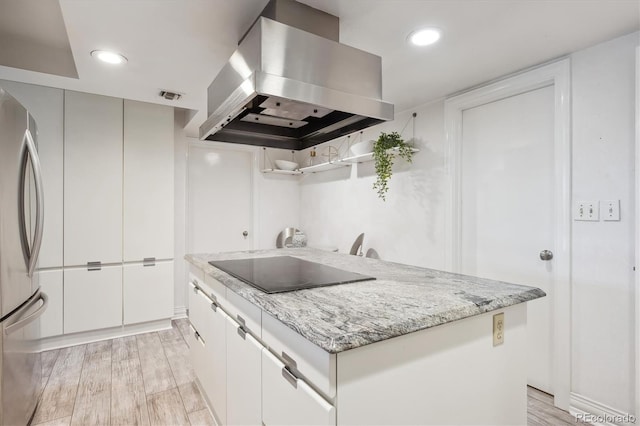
{"x":109,"y":57}
{"x":424,"y":37}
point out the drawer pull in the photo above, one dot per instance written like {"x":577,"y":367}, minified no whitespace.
{"x":288,"y":375}
{"x":195,"y":287}
{"x":241,"y":321}
{"x":199,"y":338}
{"x":214,"y":306}
{"x":290,"y":362}
{"x":149,"y":261}
{"x":94,"y":266}
{"x":242,"y":332}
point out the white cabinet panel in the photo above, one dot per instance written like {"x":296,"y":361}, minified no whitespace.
{"x":47,"y":107}
{"x":93,"y":179}
{"x":148,"y":181}
{"x":315,"y":364}
{"x":244,"y":377}
{"x":92,"y":299}
{"x":244,"y":312}
{"x":148,"y":292}
{"x":215,"y":385}
{"x":290,"y":401}
{"x":51,"y":319}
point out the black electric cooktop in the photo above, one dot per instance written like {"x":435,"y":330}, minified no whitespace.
{"x":285,"y":273}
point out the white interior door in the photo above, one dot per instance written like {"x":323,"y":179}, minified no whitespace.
{"x":507,"y":208}
{"x":220,"y":188}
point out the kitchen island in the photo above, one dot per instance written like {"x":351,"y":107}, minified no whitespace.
{"x":415,"y":346}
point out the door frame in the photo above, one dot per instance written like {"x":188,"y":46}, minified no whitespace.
{"x":556,"y":74}
{"x":223,"y":146}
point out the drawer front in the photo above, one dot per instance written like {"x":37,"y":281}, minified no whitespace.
{"x":148,"y":292}
{"x":314,"y":364}
{"x":214,"y":289}
{"x":245,"y":313}
{"x":290,"y":401}
{"x":244,"y":377}
{"x":198,"y":305}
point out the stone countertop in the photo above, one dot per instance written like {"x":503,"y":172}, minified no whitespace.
{"x":401,"y":300}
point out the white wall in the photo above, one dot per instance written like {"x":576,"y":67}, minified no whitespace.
{"x":338,"y":205}
{"x":408,"y":228}
{"x":602,"y":262}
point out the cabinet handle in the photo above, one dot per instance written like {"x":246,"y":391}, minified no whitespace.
{"x":199,"y":338}
{"x":214,"y":306}
{"x":242,"y":332}
{"x":94,"y":266}
{"x":288,"y":375}
{"x":149,"y":261}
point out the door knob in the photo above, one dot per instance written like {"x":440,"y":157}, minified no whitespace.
{"x":245,"y":233}
{"x":546,"y":255}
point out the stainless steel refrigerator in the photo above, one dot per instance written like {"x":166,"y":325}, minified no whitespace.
{"x":21,"y":225}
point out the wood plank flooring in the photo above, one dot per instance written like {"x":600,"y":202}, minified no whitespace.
{"x":137,"y":380}
{"x":148,"y":380}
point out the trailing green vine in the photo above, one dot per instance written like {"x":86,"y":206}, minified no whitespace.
{"x":384,"y":155}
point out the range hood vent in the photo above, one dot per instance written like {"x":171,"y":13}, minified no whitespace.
{"x":291,"y":85}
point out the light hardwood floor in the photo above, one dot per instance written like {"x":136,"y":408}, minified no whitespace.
{"x":138,"y":380}
{"x":148,"y":380}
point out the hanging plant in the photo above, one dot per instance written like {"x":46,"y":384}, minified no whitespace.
{"x":383,"y":154}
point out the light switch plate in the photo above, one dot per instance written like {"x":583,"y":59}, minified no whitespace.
{"x":587,"y":211}
{"x":610,"y":210}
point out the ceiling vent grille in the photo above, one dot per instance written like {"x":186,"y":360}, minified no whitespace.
{"x":170,"y":96}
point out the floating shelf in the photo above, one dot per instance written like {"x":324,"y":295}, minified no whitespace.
{"x":363,"y":158}
{"x":282,"y":172}
{"x":322,"y":167}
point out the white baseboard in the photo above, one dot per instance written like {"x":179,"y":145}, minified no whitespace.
{"x":589,"y":411}
{"x":179,"y":312}
{"x":56,"y":342}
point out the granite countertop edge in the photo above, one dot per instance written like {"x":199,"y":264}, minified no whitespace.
{"x":344,"y":340}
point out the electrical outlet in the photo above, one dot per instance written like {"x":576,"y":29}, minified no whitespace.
{"x":587,"y":210}
{"x":498,"y":329}
{"x":611,"y":210}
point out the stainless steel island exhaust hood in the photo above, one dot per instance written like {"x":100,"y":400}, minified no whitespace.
{"x":291,"y":85}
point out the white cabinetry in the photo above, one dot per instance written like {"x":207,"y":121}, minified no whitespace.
{"x":244,"y":377}
{"x":93,"y":179}
{"x":52,"y":319}
{"x":290,"y":401}
{"x":210,"y":324}
{"x":148,"y":181}
{"x":147,"y":291}
{"x":92,"y":299}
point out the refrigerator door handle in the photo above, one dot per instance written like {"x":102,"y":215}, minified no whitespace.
{"x":31,"y":252}
{"x":20,"y":323}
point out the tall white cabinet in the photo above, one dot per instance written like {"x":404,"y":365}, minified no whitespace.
{"x":148,"y":212}
{"x":92,"y":179}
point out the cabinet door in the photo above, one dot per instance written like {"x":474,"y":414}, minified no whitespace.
{"x":148,"y":292}
{"x":93,"y":179}
{"x":244,"y":377}
{"x":45,"y":104}
{"x":92,"y":299}
{"x":148,"y":181}
{"x":290,"y":401}
{"x":215,"y":385}
{"x":51,"y":320}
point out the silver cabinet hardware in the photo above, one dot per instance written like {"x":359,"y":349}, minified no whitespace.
{"x":242,"y":332}
{"x":245,"y":234}
{"x":214,"y":306}
{"x":288,"y":375}
{"x":94,"y":266}
{"x":242,"y":328}
{"x":149,"y":261}
{"x":546,"y":255}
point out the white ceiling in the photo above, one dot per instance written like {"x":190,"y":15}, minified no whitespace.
{"x":181,"y":44}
